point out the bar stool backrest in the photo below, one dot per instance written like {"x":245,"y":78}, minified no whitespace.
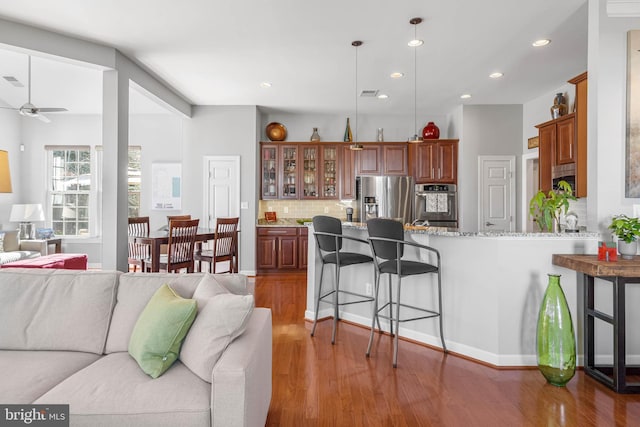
{"x":327,"y":224}
{"x":386,"y":228}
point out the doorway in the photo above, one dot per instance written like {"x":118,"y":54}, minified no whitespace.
{"x":496,"y":193}
{"x":222,"y":190}
{"x":529,"y":189}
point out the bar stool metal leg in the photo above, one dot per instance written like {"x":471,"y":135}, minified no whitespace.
{"x":336,"y":305}
{"x":390,"y":304}
{"x":397,"y":320}
{"x":318,"y":296}
{"x":444,"y":347}
{"x":374,"y":314}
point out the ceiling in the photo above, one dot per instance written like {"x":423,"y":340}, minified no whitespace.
{"x":218,"y":52}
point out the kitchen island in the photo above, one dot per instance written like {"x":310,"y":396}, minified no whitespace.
{"x":492,"y":287}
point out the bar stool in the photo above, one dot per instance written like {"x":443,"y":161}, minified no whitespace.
{"x":328,"y":235}
{"x":386,"y":237}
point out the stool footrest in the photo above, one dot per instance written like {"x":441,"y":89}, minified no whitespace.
{"x":424,"y":310}
{"x":365,"y":298}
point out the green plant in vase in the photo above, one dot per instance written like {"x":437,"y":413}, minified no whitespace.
{"x":546,"y":208}
{"x":627,"y":230}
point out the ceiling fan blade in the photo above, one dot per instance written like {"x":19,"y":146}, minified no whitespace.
{"x":52,"y":110}
{"x":43,"y":118}
{"x":10,"y":108}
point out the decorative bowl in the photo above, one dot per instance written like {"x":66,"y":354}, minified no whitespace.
{"x":276,"y":131}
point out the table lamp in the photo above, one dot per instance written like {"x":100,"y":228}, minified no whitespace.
{"x":25,"y":215}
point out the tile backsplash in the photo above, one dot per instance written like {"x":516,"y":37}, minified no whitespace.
{"x":307,"y":208}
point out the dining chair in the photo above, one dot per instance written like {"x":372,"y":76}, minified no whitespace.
{"x":386,"y":238}
{"x":329,"y":238}
{"x":182,"y":238}
{"x":177,"y":218}
{"x":138,"y":226}
{"x":224,"y":247}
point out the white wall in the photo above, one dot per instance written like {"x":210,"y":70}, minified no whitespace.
{"x":219,"y":131}
{"x":10,"y":141}
{"x":331,"y":127}
{"x":488,"y":130}
{"x":607,"y":115}
{"x":160,"y":136}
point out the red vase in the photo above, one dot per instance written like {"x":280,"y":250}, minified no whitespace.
{"x":430,"y":131}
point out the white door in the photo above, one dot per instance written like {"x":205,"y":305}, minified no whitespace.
{"x":222,"y":191}
{"x":496,"y":193}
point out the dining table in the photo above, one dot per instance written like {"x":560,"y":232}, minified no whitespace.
{"x":155,"y":239}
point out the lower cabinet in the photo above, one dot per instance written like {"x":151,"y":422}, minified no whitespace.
{"x":281,"y":248}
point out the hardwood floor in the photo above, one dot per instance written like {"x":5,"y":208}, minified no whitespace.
{"x":319,"y":384}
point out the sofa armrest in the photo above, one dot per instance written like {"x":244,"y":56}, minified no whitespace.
{"x":241,"y":379}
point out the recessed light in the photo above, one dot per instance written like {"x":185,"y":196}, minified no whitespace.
{"x":465,"y":96}
{"x":496,"y":75}
{"x":265,"y":84}
{"x":383,"y":96}
{"x":541,"y":42}
{"x":396,"y":75}
{"x":415,"y":43}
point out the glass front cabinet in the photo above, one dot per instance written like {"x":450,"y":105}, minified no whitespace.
{"x":269,"y":172}
{"x":329,"y":172}
{"x":310,"y":162}
{"x":289,"y":172}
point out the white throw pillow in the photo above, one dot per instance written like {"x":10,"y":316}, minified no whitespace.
{"x":220,"y":321}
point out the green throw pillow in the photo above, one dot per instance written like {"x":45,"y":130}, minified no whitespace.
{"x":162,"y":326}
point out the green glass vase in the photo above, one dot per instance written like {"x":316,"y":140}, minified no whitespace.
{"x":556,"y":340}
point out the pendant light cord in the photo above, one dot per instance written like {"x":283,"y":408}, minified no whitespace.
{"x":355,"y":140}
{"x":415,"y":82}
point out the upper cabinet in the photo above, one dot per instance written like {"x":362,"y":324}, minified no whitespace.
{"x":562,"y":151}
{"x":383,"y":159}
{"x":434,"y":161}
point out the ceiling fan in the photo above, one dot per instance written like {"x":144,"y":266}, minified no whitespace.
{"x":30,"y":110}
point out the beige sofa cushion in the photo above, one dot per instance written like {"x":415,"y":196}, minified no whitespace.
{"x":27,"y":375}
{"x":134,"y":292}
{"x":223,"y":318}
{"x":32,"y":315}
{"x":114,"y":391}
{"x":10,"y":240}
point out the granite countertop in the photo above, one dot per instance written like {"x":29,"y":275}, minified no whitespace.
{"x":433,"y":231}
{"x":454,"y":232}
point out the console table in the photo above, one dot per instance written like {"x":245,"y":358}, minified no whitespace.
{"x":619,"y":273}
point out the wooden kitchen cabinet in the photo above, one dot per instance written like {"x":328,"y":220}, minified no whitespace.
{"x":281,"y":248}
{"x":347,"y":166}
{"x":556,"y":146}
{"x":563,"y":144}
{"x":369,"y":160}
{"x":383,"y":159}
{"x":434,"y":161}
{"x":395,"y":159}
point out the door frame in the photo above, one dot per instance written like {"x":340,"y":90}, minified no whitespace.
{"x":205,"y":188}
{"x":512,"y":204}
{"x":524,"y":184}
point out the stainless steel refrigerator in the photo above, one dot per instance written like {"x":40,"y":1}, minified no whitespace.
{"x":385,"y":197}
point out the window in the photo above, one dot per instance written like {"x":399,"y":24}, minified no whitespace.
{"x":70,"y":186}
{"x":134,"y":179}
{"x":75,"y":188}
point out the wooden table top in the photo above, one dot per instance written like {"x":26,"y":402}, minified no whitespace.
{"x":589,"y":264}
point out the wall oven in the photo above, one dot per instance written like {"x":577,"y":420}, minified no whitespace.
{"x":436,"y":205}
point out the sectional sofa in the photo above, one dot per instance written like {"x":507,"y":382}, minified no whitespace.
{"x":64,"y":339}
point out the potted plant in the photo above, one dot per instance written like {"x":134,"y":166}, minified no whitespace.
{"x":627,"y":230}
{"x":545,"y":208}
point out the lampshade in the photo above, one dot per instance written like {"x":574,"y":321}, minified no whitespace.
{"x":5,"y":174}
{"x":27,"y":213}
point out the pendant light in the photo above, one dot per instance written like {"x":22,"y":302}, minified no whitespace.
{"x":414,"y":44}
{"x":356,"y":146}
